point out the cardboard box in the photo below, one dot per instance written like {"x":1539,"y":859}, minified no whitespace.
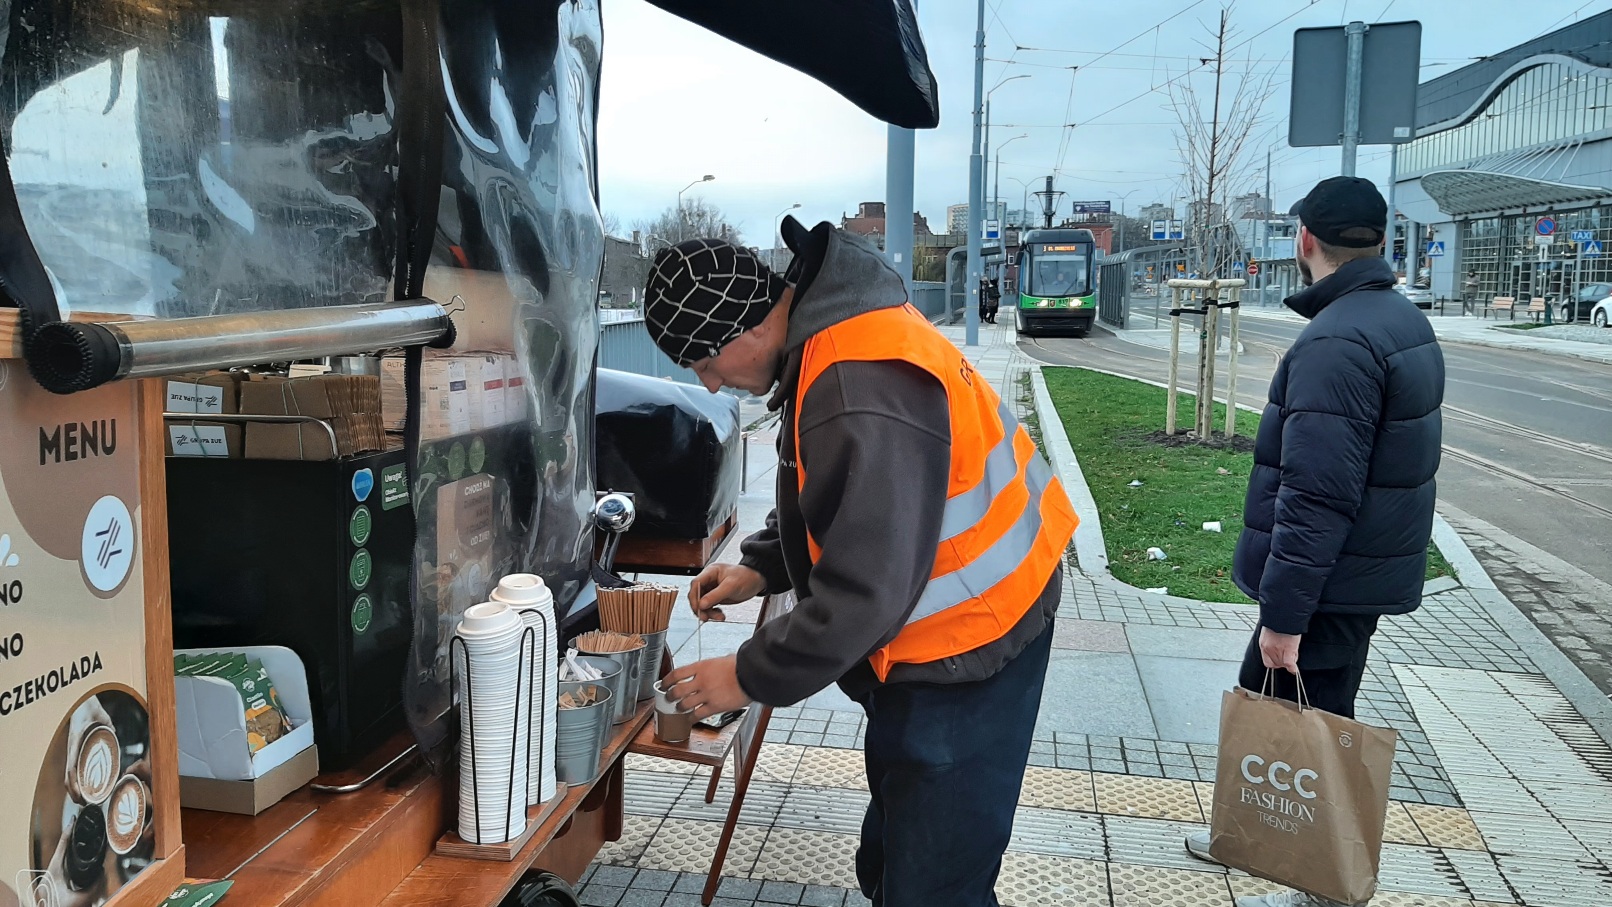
{"x":349,"y":404}
{"x":217,"y":769}
{"x":205,"y":393}
{"x":205,"y":439}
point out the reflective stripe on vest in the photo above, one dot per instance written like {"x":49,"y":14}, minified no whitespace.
{"x":1006,"y":521}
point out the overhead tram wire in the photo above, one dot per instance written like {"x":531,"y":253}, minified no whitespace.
{"x":1069,"y":104}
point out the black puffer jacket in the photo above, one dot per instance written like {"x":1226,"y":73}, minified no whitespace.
{"x":1340,"y":502}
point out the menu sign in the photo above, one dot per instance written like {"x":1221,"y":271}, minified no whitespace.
{"x":75,"y":781}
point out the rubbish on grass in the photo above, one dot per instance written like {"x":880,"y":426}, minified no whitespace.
{"x":1221,"y":470}
{"x":1162,"y":590}
{"x":1136,"y":483}
{"x":1156,"y":554}
{"x":1212,"y":526}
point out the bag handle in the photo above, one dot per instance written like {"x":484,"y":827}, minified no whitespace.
{"x":1268,"y":687}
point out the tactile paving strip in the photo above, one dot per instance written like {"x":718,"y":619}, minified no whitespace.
{"x":1148,"y":798}
{"x":1152,"y":842}
{"x":1058,"y":833}
{"x":1400,"y":828}
{"x":1481,"y":876}
{"x":1052,"y":788}
{"x":1556,"y":883}
{"x":826,"y":767}
{"x":636,"y":833}
{"x":683,"y":846}
{"x":1034,"y":880}
{"x":1148,"y":886}
{"x":1418,"y":870}
{"x":807,"y":857}
{"x":636,"y":762}
{"x":1446,"y":827}
{"x":777,"y":763}
{"x":654,"y":793}
{"x":1206,"y":798}
{"x":828,"y":809}
{"x":762,"y":802}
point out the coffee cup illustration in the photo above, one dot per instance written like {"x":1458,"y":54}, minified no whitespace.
{"x":86,"y":849}
{"x":93,"y":770}
{"x":126,"y":814}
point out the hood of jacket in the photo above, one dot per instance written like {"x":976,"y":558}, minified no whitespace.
{"x":1360,"y":274}
{"x":837,"y":276}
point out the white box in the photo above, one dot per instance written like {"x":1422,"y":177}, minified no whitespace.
{"x":484,"y":377}
{"x":444,"y":398}
{"x":212,"y":718}
{"x":516,"y":402}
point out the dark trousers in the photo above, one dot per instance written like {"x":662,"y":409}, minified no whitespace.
{"x":1332,"y":661}
{"x":945,"y":763}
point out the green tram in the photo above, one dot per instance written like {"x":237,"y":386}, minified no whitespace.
{"x":1057,"y":281}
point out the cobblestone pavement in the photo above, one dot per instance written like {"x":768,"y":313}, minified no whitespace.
{"x":1502,"y":793}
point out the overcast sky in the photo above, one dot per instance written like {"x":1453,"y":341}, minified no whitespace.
{"x":787,"y":139}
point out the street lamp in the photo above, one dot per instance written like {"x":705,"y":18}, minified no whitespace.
{"x":1122,"y":199}
{"x":1024,"y":201}
{"x":682,"y":220}
{"x":996,"y":190}
{"x":987,"y":161}
{"x":778,"y":229}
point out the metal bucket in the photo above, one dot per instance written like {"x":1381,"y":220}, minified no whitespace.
{"x":624,"y":688}
{"x":649,"y":664}
{"x":580,"y":735}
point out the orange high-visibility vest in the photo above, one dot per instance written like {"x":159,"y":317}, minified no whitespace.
{"x":1007,"y":520}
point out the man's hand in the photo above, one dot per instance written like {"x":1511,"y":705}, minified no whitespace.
{"x":723,"y":584}
{"x":1280,"y":650}
{"x":708,"y":687}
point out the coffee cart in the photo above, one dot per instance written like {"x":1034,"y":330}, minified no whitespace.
{"x":381,"y":188}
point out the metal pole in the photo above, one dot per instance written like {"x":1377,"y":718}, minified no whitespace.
{"x":1204,"y":355}
{"x":1265,"y":244}
{"x":1231,"y":367}
{"x":1207,"y":398}
{"x":1175,"y":358}
{"x":898,"y":241}
{"x":1393,"y":218}
{"x":1356,"y":32}
{"x":971,"y":317}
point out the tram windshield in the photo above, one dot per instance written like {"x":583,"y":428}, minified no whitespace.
{"x":1059,"y":270}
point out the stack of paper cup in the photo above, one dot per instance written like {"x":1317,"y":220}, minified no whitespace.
{"x":493,"y":760}
{"x":530,"y":597}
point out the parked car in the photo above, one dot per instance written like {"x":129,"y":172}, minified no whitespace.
{"x":1601,"y":315}
{"x":1422,"y":296}
{"x":1582,"y":305}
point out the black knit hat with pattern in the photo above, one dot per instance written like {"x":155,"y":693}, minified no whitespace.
{"x":702,"y":294}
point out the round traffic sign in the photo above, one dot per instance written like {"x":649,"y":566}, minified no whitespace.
{"x":1545,"y":226}
{"x":1253,"y":268}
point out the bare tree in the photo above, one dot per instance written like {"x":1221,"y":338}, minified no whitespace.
{"x":612,"y":224}
{"x":1212,"y":141}
{"x":698,"y":219}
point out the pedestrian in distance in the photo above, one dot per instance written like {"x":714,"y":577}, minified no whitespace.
{"x":1339,"y":510}
{"x":918,"y":527}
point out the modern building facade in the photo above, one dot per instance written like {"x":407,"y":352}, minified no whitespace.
{"x":1507,"y":189}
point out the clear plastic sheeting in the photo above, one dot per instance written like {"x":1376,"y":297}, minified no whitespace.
{"x":177,"y":158}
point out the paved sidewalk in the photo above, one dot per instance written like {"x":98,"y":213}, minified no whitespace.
{"x":1502,"y":793}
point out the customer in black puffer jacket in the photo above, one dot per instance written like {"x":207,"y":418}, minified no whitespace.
{"x":1340,"y":502}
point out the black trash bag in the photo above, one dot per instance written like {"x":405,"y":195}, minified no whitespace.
{"x":674,"y":447}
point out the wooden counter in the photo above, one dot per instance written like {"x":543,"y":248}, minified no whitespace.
{"x":375,"y":846}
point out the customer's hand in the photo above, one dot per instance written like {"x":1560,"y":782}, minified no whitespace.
{"x":1280,"y":650}
{"x":723,"y":584}
{"x":708,"y":687}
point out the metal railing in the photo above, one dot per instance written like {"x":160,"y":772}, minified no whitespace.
{"x":625,"y":346}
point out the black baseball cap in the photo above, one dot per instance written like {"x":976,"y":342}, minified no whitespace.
{"x":1344,"y":211}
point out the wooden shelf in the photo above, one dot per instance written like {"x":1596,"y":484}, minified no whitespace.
{"x":654,"y":554}
{"x":703,"y":746}
{"x":442,"y":881}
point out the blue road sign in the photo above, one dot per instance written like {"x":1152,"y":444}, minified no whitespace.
{"x":1583,"y":236}
{"x":1435,"y":249}
{"x":1192,"y":275}
{"x":1177,"y":231}
{"x":1161,"y":229}
{"x":1238,"y":267}
{"x":1592,"y":248}
{"x":1545,"y":226}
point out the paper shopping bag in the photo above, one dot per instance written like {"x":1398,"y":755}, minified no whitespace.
{"x":1300,"y":796}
